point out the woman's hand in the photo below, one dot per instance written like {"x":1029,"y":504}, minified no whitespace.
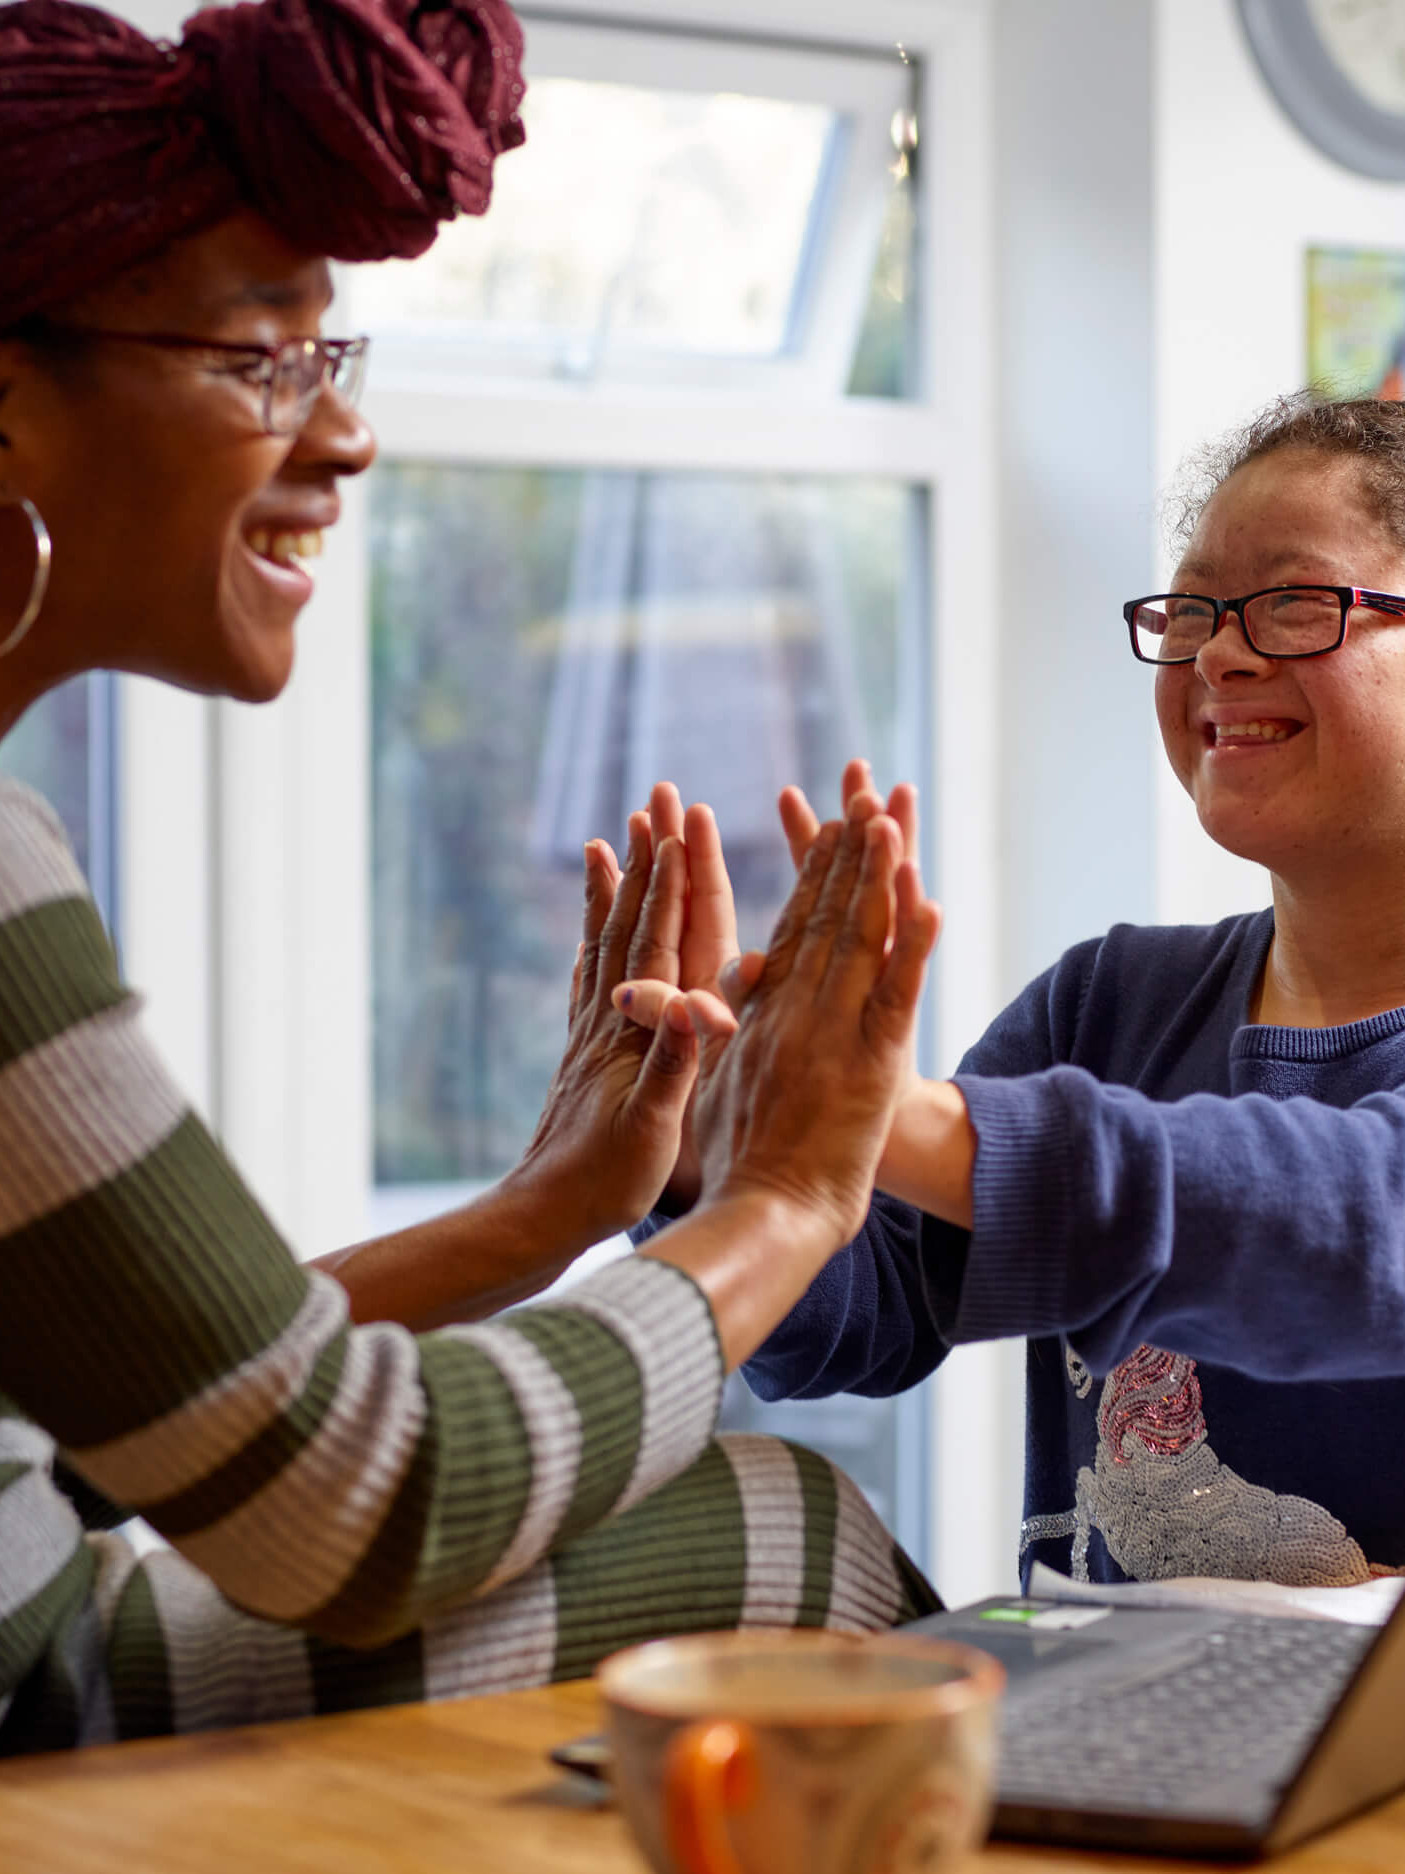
{"x":801,"y":823}
{"x":797,"y":1096}
{"x":707,"y":952}
{"x":795,"y":1100}
{"x":609,"y":1132}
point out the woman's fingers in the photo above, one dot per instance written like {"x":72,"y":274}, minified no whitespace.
{"x":617,"y":933}
{"x":830,"y":918}
{"x":658,"y":934}
{"x":602,"y":875}
{"x":665,"y":1082}
{"x":864,"y":921}
{"x":799,"y":822}
{"x":796,"y":913}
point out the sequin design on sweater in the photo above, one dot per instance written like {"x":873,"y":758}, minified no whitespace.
{"x":1165,"y":1505}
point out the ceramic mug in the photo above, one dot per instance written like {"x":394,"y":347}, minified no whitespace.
{"x":803,"y":1753}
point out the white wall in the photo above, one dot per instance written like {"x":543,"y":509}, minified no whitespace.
{"x":1074,"y":283}
{"x":1240,"y":195}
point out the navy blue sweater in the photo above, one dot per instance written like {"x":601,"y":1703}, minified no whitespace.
{"x":1199,"y":1227}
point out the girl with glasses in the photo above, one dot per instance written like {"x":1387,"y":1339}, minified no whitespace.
{"x":1175,"y":1165}
{"x":368,"y":1513}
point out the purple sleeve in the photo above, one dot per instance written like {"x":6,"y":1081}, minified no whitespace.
{"x":869,"y":1323}
{"x":1262,"y":1234}
{"x":879,"y":1316}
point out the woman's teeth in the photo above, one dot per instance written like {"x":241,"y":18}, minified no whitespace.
{"x":283,"y":549}
{"x":1265,"y":731}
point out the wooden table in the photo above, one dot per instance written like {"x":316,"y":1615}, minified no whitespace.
{"x":423,"y":1789}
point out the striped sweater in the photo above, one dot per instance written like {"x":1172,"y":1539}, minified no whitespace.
{"x":356,"y":1515}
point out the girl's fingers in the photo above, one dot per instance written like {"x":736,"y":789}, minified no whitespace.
{"x":856,"y":779}
{"x":739,"y":977}
{"x":712,"y":911}
{"x":658,"y":934}
{"x":710,"y":1016}
{"x":898,"y":990}
{"x":799,"y":822}
{"x":902,"y":807}
{"x":644,"y":1000}
{"x":665,"y":813}
{"x":714,"y":1024}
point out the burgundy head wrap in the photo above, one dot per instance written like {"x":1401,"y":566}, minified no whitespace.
{"x":354,"y":126}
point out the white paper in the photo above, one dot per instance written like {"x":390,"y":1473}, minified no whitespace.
{"x":1367,"y":1604}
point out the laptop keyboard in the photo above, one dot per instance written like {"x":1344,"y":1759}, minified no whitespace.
{"x":1227,"y":1717}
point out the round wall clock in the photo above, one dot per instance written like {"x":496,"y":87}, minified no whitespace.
{"x":1338,"y":69}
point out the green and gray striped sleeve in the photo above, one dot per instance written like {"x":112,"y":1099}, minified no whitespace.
{"x":356,"y":1482}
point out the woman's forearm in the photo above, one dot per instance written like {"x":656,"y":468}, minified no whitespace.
{"x":502,"y":1248}
{"x":753,"y":1256}
{"x":931,"y":1152}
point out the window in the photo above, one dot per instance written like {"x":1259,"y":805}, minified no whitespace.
{"x":64,"y":746}
{"x":685,"y":472}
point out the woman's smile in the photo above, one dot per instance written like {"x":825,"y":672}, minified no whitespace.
{"x":1229,"y":730}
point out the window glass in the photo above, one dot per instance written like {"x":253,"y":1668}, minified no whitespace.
{"x":63,"y":747}
{"x":886,"y":356}
{"x":599,"y":220}
{"x":547,"y":643}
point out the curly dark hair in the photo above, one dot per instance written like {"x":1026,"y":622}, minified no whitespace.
{"x":1366,"y":430}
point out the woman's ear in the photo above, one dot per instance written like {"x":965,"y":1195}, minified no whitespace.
{"x":21,"y":425}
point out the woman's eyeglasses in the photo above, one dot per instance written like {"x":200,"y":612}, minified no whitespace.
{"x":1284,"y":621}
{"x":290,"y":376}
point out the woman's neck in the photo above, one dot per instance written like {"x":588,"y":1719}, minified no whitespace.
{"x":1338,"y":954}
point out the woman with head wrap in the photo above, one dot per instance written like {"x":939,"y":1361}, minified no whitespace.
{"x":358,"y":1514}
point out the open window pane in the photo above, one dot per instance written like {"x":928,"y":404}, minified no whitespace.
{"x":630,"y":216}
{"x":686,"y":210}
{"x":546,"y":644}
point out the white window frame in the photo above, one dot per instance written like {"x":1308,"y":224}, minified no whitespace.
{"x":865,"y":94}
{"x":245,"y":833}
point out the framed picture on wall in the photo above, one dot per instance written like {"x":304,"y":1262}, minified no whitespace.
{"x":1356,"y":321}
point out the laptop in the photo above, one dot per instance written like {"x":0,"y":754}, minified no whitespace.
{"x":1186,"y":1731}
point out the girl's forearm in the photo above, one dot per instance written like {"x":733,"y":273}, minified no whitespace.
{"x":931,"y":1152}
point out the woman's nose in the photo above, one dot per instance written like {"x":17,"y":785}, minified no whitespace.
{"x":1229,"y":653}
{"x":336,"y":437}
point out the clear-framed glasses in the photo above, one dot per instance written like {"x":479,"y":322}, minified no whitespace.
{"x":291,"y":376}
{"x":1282,"y":621}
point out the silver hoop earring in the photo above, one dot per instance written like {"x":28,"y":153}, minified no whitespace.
{"x":39,"y":585}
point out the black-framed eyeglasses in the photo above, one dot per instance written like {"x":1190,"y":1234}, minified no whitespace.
{"x":1281,"y":621}
{"x":291,"y":376}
